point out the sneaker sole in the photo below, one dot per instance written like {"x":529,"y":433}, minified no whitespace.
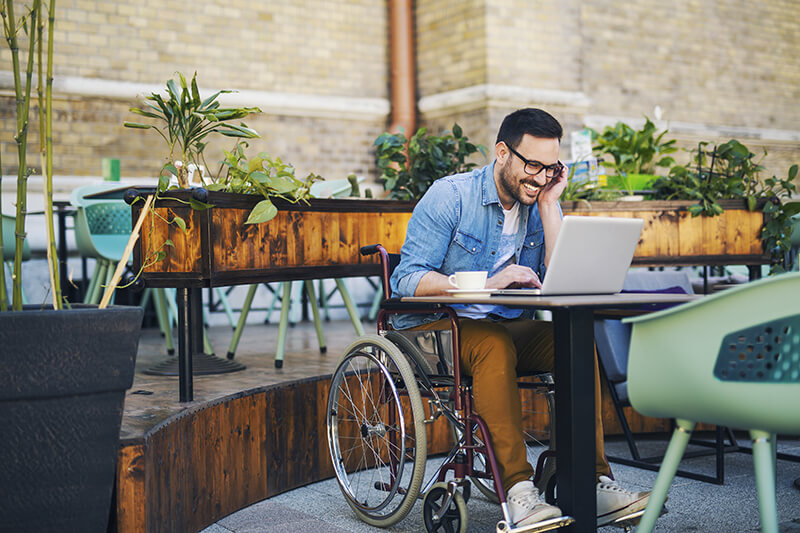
{"x":629,"y":509}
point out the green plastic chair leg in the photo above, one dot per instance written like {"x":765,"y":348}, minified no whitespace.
{"x":323,"y":297}
{"x":351,"y":308}
{"x":97,"y":289}
{"x":376,"y":303}
{"x":237,"y":332}
{"x":170,"y":296}
{"x":93,"y":281}
{"x":223,"y":299}
{"x":109,"y":276}
{"x":207,"y":348}
{"x":160,"y":303}
{"x":147,"y":294}
{"x":284,"y":323}
{"x":274,"y":302}
{"x":312,"y":298}
{"x":672,"y":458}
{"x":764,"y":462}
{"x":295,"y":304}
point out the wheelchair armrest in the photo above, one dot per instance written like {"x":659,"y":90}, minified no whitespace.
{"x":394,"y":304}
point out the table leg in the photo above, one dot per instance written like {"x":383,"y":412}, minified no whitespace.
{"x":575,"y":421}
{"x":188,"y":309}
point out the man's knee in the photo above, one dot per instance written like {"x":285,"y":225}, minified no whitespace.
{"x":485,"y":342}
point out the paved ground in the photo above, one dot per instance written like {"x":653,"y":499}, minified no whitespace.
{"x":694,"y":506}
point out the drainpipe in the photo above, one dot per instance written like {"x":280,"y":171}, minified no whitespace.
{"x":403,"y":83}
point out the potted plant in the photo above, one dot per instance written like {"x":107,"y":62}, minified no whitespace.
{"x":409,"y":166}
{"x":635,"y":154}
{"x":730,"y":171}
{"x":215,"y":233}
{"x":63,"y":385}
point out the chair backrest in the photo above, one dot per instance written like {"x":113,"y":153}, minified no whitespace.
{"x":612,"y":337}
{"x":9,"y":227}
{"x":731,"y":358}
{"x":78,"y":196}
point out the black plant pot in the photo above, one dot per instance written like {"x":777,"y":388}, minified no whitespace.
{"x":63,"y":377}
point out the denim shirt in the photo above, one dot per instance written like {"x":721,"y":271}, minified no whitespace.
{"x":457,"y":225}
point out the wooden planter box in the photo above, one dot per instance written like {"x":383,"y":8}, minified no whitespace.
{"x":672,"y":236}
{"x":322,"y":239}
{"x":303,"y":241}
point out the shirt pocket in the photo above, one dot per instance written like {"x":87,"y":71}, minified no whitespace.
{"x":532,"y":254}
{"x":533,"y":240}
{"x":470,"y":244}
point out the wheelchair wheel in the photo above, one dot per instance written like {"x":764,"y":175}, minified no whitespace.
{"x":376,"y":431}
{"x":450,"y":520}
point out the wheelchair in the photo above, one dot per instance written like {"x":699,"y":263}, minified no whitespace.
{"x":377,"y":425}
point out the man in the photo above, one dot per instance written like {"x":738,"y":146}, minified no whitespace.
{"x":504,"y":219}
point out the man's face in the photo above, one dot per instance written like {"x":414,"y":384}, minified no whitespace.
{"x":513,"y":183}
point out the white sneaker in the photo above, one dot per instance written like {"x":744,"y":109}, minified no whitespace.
{"x":527,"y":507}
{"x":615,"y":502}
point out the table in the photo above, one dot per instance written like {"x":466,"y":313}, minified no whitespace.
{"x":573,"y":328}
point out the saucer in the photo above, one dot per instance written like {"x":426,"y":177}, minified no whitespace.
{"x":469,"y":293}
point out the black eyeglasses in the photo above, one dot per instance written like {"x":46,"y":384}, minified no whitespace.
{"x":532,"y":168}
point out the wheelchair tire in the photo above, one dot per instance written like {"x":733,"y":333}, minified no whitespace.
{"x":376,"y":431}
{"x":454,"y":519}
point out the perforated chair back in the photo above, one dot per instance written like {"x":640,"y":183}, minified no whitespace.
{"x":102,"y":229}
{"x":731,"y":359}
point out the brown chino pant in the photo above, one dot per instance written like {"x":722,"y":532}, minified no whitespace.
{"x":493,"y":353}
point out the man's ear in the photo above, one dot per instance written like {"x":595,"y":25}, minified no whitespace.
{"x":501,"y":152}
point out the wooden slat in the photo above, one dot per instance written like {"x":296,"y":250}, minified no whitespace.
{"x":130,"y":490}
{"x":212,"y":460}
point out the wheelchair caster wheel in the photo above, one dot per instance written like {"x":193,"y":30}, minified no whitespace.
{"x":452,"y":519}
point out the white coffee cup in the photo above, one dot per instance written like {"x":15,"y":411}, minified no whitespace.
{"x":475,"y":280}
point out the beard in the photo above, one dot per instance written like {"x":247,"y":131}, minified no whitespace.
{"x":516,"y":188}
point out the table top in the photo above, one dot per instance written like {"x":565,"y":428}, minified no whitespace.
{"x":620,"y":300}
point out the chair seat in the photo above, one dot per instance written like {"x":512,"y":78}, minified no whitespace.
{"x":110,"y":247}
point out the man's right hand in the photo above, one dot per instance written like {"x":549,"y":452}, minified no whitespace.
{"x":514,"y":276}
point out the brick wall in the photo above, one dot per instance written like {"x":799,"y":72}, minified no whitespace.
{"x":718,"y":69}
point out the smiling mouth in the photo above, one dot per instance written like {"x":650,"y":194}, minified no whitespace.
{"x":531,"y":188}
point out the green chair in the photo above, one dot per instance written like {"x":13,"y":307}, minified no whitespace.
{"x":730,"y":359}
{"x":9,"y":227}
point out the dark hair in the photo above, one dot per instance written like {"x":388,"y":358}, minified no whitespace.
{"x":529,"y":121}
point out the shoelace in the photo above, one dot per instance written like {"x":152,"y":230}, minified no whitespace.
{"x":528,"y":498}
{"x":611,"y":485}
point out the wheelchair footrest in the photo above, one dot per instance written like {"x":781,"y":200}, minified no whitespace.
{"x":545,"y":525}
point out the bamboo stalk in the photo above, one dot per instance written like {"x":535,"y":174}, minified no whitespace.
{"x":126,"y":254}
{"x":23,"y":108}
{"x":46,"y":126}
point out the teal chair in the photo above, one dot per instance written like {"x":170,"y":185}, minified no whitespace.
{"x":730,"y":359}
{"x":9,"y":225}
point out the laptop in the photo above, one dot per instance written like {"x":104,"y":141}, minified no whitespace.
{"x":591,"y":256}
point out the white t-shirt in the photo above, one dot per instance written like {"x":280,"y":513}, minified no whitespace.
{"x":505,"y":257}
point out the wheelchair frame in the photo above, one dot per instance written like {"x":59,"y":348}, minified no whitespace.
{"x":382,"y":486}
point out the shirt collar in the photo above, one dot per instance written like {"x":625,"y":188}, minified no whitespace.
{"x":488,"y":186}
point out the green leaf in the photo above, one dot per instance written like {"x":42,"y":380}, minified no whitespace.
{"x":144,"y":113}
{"x":137,"y":125}
{"x":751,"y":203}
{"x":180,"y":223}
{"x":792,"y":172}
{"x":169,"y":242}
{"x":197,"y":205}
{"x":264,"y":211}
{"x":457,"y":132}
